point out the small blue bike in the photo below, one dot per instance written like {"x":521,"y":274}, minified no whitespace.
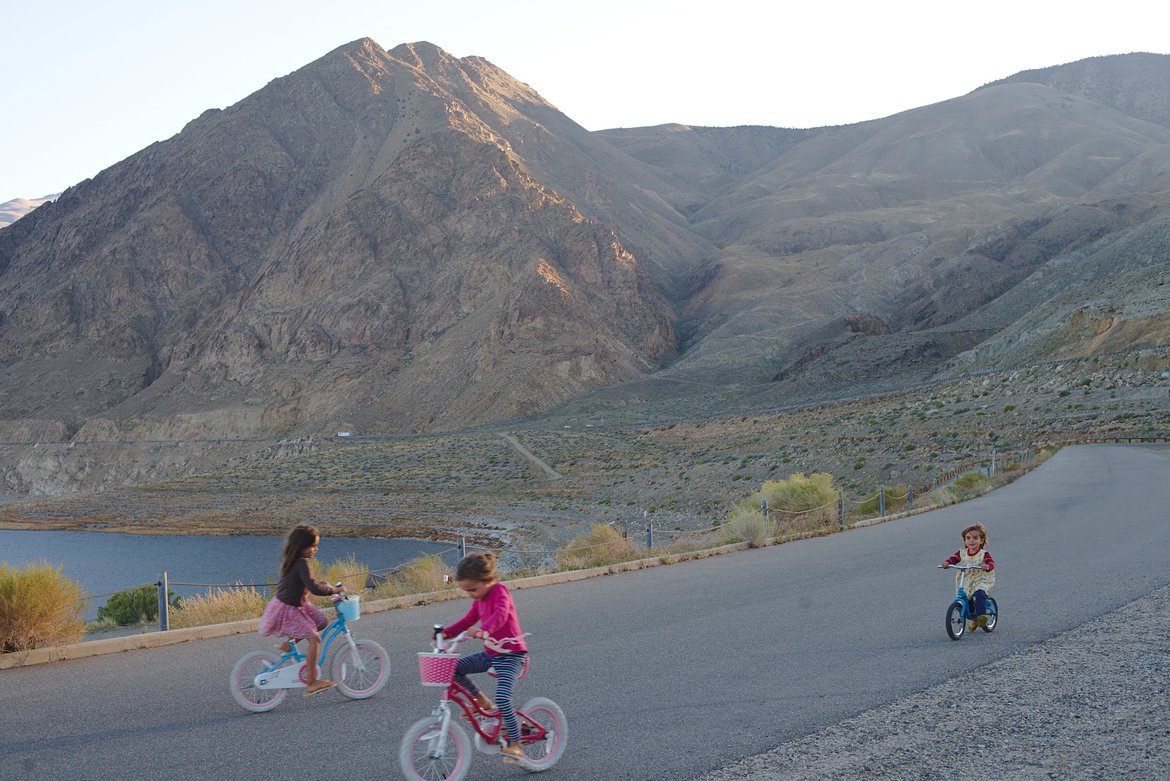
{"x":962,"y":609}
{"x":261,"y":679}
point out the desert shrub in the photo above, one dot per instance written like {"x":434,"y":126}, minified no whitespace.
{"x":940,"y":496}
{"x":897,"y":499}
{"x":746,"y":523}
{"x":132,"y":606}
{"x":971,"y":484}
{"x":349,"y":572}
{"x":39,"y":606}
{"x":799,"y":503}
{"x":601,"y":545}
{"x":421,"y":576}
{"x":219,"y":606}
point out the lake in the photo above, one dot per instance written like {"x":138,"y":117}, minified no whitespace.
{"x":105,"y":562}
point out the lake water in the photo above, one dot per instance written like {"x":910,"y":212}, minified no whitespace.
{"x":104,"y":563}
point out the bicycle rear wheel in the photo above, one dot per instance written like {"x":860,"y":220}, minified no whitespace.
{"x":542,"y":754}
{"x":362,"y":671}
{"x":243,"y":684}
{"x":956,"y":622}
{"x":992,"y":614}
{"x":420,"y":759}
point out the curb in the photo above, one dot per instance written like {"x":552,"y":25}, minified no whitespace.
{"x":113,"y":645}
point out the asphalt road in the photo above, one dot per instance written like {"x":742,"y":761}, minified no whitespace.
{"x":664,"y":673}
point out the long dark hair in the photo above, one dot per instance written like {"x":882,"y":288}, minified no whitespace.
{"x":294,"y":546}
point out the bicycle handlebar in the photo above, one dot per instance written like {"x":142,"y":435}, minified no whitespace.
{"x":960,"y":566}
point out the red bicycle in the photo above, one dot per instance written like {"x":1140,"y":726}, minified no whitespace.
{"x":437,"y":747}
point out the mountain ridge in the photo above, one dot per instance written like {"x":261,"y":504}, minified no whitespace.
{"x":401,"y":241}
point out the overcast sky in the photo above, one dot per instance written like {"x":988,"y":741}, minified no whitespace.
{"x":86,"y":84}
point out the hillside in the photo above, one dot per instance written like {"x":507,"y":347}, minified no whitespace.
{"x":402,"y":242}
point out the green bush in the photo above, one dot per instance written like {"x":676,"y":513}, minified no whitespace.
{"x":39,"y":607}
{"x":132,"y":606}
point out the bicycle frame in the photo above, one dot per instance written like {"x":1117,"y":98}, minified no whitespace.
{"x":281,"y":680}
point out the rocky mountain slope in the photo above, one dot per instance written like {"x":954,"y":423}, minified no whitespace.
{"x":403,"y":241}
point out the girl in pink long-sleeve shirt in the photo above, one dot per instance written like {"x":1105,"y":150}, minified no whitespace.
{"x":503,"y":642}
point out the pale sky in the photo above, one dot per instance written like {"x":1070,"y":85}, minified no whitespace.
{"x":86,"y":84}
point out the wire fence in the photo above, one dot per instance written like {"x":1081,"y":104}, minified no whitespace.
{"x":520,"y":558}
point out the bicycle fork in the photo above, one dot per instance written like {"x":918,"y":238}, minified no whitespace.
{"x":438,"y":738}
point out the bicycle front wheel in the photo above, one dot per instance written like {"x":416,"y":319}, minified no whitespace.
{"x":243,"y":682}
{"x":421,"y":759}
{"x":542,"y":754}
{"x":361,"y":671}
{"x":956,"y":623}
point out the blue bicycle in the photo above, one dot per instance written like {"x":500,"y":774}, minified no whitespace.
{"x":962,"y":609}
{"x":261,"y":679}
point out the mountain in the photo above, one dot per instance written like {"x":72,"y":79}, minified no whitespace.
{"x":350,"y":247}
{"x":402,"y":241}
{"x":11,"y":211}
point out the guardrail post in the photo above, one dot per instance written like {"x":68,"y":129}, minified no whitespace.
{"x":649,"y":535}
{"x":764,"y":507}
{"x":841,"y":510}
{"x":910,"y":496}
{"x":882,"y":501}
{"x":164,"y":619}
{"x":462,"y":547}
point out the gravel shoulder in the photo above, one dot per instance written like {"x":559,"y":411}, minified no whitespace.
{"x":1091,"y":703}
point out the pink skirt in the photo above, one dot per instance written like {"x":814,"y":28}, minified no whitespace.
{"x":286,"y":620}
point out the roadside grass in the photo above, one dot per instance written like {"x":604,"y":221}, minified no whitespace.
{"x":219,"y":606}
{"x":423,"y":575}
{"x":39,"y":606}
{"x":802,"y":505}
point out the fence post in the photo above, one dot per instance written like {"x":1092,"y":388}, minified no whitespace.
{"x":841,"y":509}
{"x":882,"y":501}
{"x":164,"y":619}
{"x":649,"y":535}
{"x":764,"y":507}
{"x":910,"y":497}
{"x":462,"y":547}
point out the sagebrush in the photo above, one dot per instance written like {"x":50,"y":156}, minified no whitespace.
{"x":39,"y":607}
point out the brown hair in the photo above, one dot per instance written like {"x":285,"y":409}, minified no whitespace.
{"x":976,"y":527}
{"x":477,"y":566}
{"x":295,"y":543}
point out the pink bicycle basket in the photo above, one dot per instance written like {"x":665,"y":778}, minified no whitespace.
{"x":435,"y":669}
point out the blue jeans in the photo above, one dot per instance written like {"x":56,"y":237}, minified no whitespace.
{"x":979,"y":602}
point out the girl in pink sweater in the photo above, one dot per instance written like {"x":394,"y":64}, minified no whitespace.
{"x":503,"y":642}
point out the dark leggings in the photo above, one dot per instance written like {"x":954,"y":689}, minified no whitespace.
{"x":507,"y":667}
{"x":980,"y":602}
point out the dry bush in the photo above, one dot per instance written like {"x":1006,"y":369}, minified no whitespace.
{"x":39,"y":606}
{"x":601,"y":545}
{"x":219,"y":606}
{"x":421,"y":576}
{"x":745,"y":523}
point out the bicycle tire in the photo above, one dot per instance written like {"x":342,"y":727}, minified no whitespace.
{"x":542,"y":755}
{"x":956,"y":621}
{"x":358,"y":683}
{"x":414,"y":752}
{"x":992,"y":614}
{"x":242,"y":686}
